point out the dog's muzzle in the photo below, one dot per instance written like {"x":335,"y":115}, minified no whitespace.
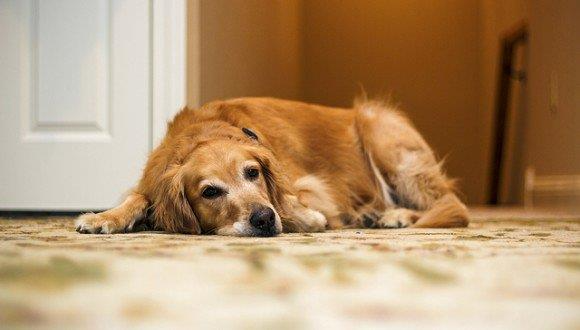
{"x":263,"y":221}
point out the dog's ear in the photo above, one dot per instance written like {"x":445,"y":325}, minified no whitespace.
{"x":171,"y":208}
{"x":276,"y":181}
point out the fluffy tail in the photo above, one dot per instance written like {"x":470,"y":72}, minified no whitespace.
{"x":446,"y":212}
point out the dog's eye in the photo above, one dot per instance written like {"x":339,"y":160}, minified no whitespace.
{"x":211,"y":192}
{"x":251,"y":134}
{"x":251,"y":173}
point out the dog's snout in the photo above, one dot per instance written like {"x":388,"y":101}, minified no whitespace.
{"x":263,"y":218}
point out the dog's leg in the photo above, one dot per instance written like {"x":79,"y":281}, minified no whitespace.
{"x":446,"y":211}
{"x":299,"y":218}
{"x":421,"y":184}
{"x":401,"y":160}
{"x":120,"y":219}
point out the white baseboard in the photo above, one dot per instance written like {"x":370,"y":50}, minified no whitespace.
{"x":558,"y":190}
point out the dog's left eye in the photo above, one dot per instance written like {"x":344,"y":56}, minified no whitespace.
{"x":211,"y":192}
{"x":251,"y":173}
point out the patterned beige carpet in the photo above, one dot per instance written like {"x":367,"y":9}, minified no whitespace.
{"x":508,"y":270}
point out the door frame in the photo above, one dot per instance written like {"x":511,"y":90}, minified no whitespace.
{"x":169,"y":65}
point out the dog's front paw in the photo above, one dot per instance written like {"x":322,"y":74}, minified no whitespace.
{"x":317,"y":220}
{"x":91,"y":223}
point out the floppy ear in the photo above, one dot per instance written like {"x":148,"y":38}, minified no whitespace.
{"x":276,"y":181}
{"x":171,"y":209}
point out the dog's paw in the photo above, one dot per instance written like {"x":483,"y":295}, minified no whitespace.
{"x":91,"y":223}
{"x":398,"y":218}
{"x":317,"y":220}
{"x":370,"y":219}
{"x":395,"y":218}
{"x":310,"y":220}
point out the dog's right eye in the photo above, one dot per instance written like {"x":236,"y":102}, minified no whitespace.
{"x":211,"y":192}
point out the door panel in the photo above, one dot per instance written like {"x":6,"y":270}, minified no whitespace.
{"x":74,"y":101}
{"x":71,"y":92}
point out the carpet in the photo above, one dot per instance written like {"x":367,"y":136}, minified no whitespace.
{"x":509,"y":269}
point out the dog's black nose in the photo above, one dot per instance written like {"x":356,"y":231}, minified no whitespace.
{"x":263,"y":219}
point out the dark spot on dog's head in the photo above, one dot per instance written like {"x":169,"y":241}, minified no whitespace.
{"x":251,"y":134}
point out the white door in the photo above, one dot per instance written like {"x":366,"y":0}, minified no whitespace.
{"x":75,"y":101}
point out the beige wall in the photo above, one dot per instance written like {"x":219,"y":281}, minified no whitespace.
{"x":438,"y":59}
{"x":553,"y":137}
{"x":423,"y":53}
{"x":497,"y":17}
{"x":249,"y":48}
{"x":550,"y":141}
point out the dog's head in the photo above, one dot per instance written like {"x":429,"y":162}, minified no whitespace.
{"x":225,"y":184}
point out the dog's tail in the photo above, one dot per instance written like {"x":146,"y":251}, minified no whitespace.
{"x":446,"y":212}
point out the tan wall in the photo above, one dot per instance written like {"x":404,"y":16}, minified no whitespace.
{"x":424,"y":53}
{"x":553,"y":137}
{"x":550,"y":141}
{"x":438,"y":59}
{"x":249,"y":48}
{"x":497,"y":17}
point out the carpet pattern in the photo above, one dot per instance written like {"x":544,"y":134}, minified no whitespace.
{"x":507,"y":270}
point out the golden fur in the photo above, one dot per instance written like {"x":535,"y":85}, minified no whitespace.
{"x":319,"y":167}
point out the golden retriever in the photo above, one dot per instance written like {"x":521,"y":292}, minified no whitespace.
{"x":263,"y":166}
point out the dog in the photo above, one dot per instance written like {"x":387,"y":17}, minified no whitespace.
{"x":263,"y":166}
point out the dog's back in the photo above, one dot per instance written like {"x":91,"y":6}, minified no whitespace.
{"x":368,"y":158}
